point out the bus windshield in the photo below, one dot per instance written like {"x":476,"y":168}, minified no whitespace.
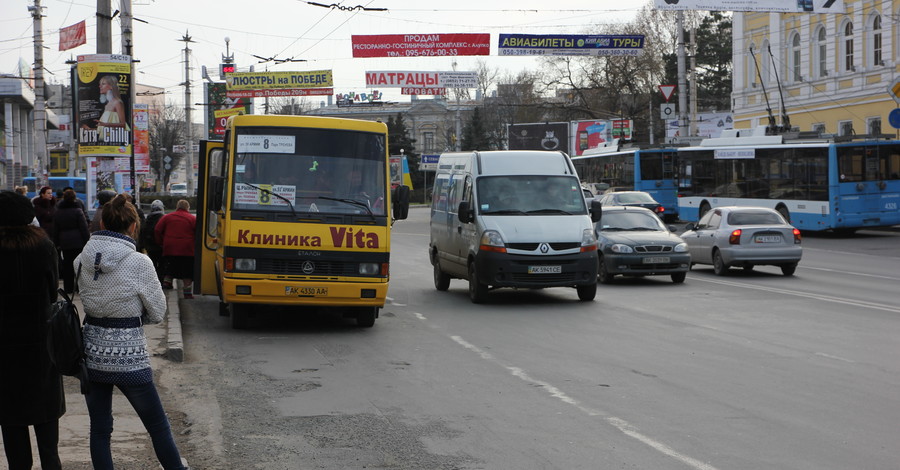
{"x":307,"y":170}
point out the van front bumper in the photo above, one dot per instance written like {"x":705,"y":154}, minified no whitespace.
{"x":510,"y":270}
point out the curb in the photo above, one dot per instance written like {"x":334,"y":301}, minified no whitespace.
{"x":174,"y":341}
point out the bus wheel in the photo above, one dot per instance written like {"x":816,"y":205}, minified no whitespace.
{"x":365,"y":316}
{"x":223,"y":309}
{"x":704,"y":208}
{"x":477,"y":291}
{"x":441,"y":279}
{"x":784,"y":213}
{"x":240,"y":314}
{"x":587,"y":292}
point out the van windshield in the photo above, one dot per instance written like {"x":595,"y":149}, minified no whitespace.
{"x":530,"y":194}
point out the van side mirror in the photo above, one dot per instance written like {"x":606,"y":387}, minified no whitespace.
{"x":215,"y":194}
{"x":596,"y":211}
{"x":464,"y":213}
{"x":400,"y":202}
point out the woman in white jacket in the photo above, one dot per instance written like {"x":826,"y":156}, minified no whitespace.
{"x":120,"y":291}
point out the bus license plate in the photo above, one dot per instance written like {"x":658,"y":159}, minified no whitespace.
{"x":297,"y":291}
{"x":656,"y":260}
{"x":768,"y":239}
{"x":544,"y":269}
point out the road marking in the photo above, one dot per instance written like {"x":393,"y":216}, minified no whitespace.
{"x":391,"y":300}
{"x":839,"y":271}
{"x":836,"y":358}
{"x":823,"y":298}
{"x":624,"y":426}
{"x":419,"y":316}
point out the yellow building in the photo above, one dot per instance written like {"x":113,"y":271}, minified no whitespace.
{"x":834,"y":69}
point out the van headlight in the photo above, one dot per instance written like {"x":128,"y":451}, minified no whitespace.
{"x":369,"y":269}
{"x":588,"y":240}
{"x":492,"y":241}
{"x":245,"y":264}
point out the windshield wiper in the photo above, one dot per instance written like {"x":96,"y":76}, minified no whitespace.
{"x":279,"y":196}
{"x":352,"y":202}
{"x":503,"y":211}
{"x":550,"y":211}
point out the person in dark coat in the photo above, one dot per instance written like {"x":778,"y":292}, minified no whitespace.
{"x":175,"y":232}
{"x":31,"y":389}
{"x":102,"y":198}
{"x":44,"y":208}
{"x":148,"y":236}
{"x":70,"y":233}
{"x":78,"y":202}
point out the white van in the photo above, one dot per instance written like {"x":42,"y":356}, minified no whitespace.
{"x":512,"y":219}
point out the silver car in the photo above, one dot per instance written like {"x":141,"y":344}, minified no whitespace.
{"x":745,"y":237}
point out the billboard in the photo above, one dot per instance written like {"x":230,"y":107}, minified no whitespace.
{"x":779,"y":6}
{"x":270,"y":84}
{"x":403,"y":79}
{"x":570,"y":45}
{"x":420,"y":45}
{"x":539,"y":136}
{"x":103,"y":110}
{"x":709,"y":125}
{"x":219,"y":107}
{"x":590,"y":134}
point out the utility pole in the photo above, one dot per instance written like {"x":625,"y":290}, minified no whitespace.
{"x":127,"y":49}
{"x":683,"y":130}
{"x":189,"y":132}
{"x":40,"y":111}
{"x":104,"y":27}
{"x":693,"y":121}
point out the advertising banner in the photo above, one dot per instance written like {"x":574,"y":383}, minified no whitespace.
{"x":622,"y":129}
{"x":423,"y":91}
{"x":780,"y":6}
{"x":590,"y":134}
{"x":539,"y":136}
{"x":709,"y":125}
{"x":420,"y":45}
{"x":422,"y":79}
{"x":73,"y":36}
{"x":141,"y":139}
{"x":570,"y":45}
{"x":220,"y":106}
{"x":269,"y":84}
{"x":104,"y":105}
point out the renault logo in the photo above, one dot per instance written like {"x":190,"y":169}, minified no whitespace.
{"x":544,"y":248}
{"x":308,"y":267}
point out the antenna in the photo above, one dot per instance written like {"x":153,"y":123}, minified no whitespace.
{"x":785,"y":120}
{"x":772,"y":124}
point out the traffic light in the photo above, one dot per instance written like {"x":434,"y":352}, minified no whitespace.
{"x":226,"y":68}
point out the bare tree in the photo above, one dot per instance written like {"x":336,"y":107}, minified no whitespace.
{"x":166,"y":129}
{"x":290,"y":105}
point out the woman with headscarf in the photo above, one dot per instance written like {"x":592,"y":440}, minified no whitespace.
{"x":120,"y":293}
{"x":44,"y":208}
{"x":148,"y":240}
{"x":31,"y":389}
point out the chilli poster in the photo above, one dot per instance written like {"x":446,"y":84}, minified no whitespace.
{"x":104,"y":104}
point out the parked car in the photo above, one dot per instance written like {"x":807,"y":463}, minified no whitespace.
{"x":633,"y":241}
{"x":178,"y":189}
{"x":746,"y":237}
{"x":632,"y":198}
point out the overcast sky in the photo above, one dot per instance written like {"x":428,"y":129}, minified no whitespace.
{"x":295,"y":29}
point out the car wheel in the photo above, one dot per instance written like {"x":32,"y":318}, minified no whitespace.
{"x":678,"y":278}
{"x":441,"y":279}
{"x":365,"y":316}
{"x":704,"y":208}
{"x":719,"y":266}
{"x":788,"y":269}
{"x":477,"y":290}
{"x":587,"y":292}
{"x":240,"y":316}
{"x":603,"y":273}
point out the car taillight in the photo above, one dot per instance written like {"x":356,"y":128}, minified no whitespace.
{"x":660,"y":209}
{"x":797,"y":236}
{"x":735,"y":238}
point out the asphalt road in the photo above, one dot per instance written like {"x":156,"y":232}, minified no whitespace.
{"x":748,"y":371}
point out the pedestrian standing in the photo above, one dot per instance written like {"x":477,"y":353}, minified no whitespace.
{"x":70,"y":233}
{"x":78,"y":202}
{"x":31,"y":389}
{"x":120,"y":292}
{"x":148,"y":239}
{"x":175,"y":232}
{"x":44,"y":208}
{"x":102,"y":198}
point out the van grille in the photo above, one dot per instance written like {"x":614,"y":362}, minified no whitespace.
{"x":534,"y":246}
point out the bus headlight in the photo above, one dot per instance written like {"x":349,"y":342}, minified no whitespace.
{"x":369,"y":269}
{"x":245,"y":264}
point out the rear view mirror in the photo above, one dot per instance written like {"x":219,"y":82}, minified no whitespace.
{"x":400,"y":202}
{"x":464,"y":213}
{"x":689,"y":226}
{"x":596,"y":211}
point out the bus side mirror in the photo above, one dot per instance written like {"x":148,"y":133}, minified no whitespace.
{"x":215,"y":192}
{"x":400,"y":202}
{"x":464,"y":213}
{"x":596,"y":211}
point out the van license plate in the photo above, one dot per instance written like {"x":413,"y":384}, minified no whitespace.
{"x":544,"y":269}
{"x":656,"y":260}
{"x":296,"y":291}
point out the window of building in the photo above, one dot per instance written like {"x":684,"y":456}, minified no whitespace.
{"x":875,"y":41}
{"x":873,"y":126}
{"x":763,"y":63}
{"x":845,"y":128}
{"x":794,"y":59}
{"x":428,"y":138}
{"x":820,"y":128}
{"x":751,"y":68}
{"x":821,"y":52}
{"x":847,"y":47}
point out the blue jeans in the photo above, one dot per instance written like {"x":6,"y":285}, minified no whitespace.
{"x":145,"y":401}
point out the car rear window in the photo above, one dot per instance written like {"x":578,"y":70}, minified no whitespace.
{"x":632,"y":198}
{"x":754,"y":218}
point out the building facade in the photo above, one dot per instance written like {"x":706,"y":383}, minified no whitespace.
{"x":17,"y":137}
{"x":834,"y":70}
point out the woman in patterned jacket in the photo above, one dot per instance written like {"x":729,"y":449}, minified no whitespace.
{"x":120,"y":291}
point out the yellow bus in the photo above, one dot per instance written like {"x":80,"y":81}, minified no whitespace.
{"x":296,"y":211}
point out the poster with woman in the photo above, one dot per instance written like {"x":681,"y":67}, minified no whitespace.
{"x":104,"y":105}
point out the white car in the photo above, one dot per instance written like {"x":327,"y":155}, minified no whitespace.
{"x":178,"y":189}
{"x":745,"y":237}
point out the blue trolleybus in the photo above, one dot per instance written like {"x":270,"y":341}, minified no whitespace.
{"x":838,"y":184}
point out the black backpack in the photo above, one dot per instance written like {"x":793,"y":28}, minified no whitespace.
{"x":65,"y":340}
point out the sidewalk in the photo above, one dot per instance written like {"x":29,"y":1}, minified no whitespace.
{"x":131,"y":446}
